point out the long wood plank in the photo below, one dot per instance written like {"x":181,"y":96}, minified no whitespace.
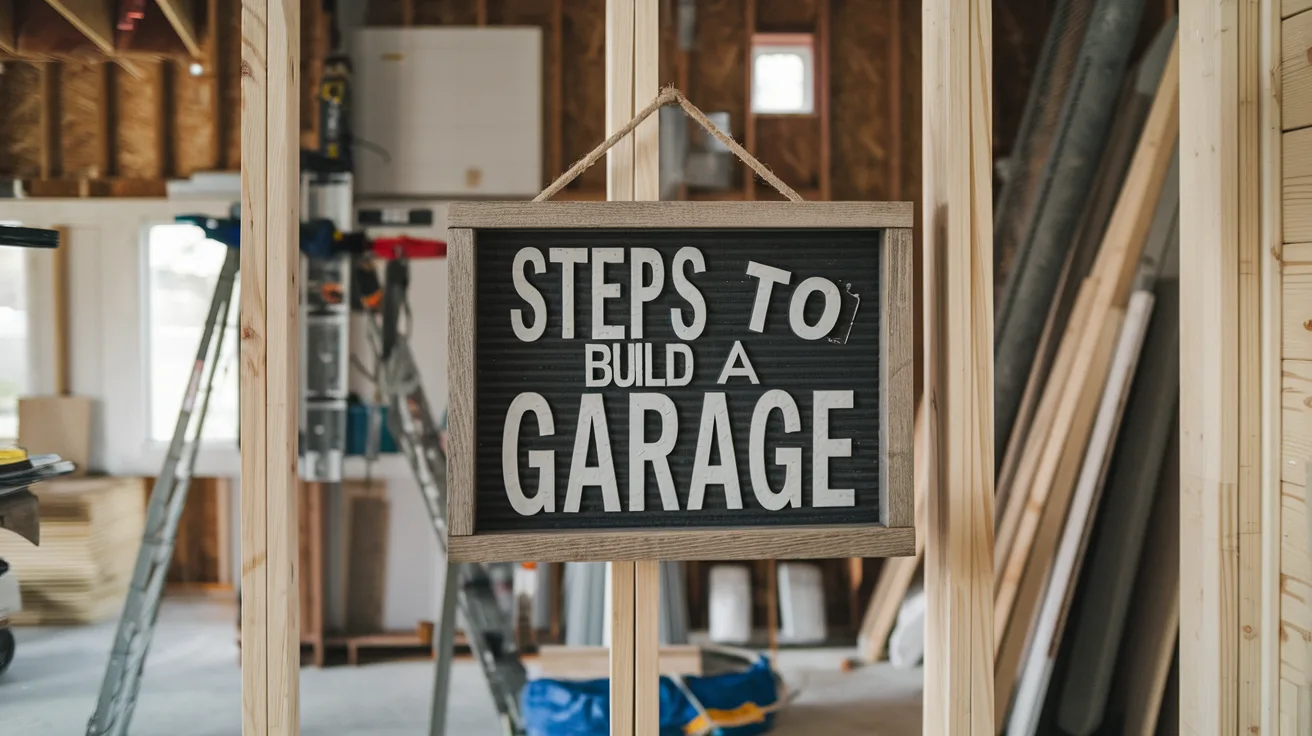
{"x":270,"y":263}
{"x":957,"y":50}
{"x":1209,"y":363}
{"x":180,"y":15}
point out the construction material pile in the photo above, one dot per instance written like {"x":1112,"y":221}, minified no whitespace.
{"x":90,"y":531}
{"x":1086,"y":610}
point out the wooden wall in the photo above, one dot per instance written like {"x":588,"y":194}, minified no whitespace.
{"x":103,"y":127}
{"x":65,"y":122}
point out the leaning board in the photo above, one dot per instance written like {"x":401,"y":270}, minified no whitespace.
{"x":670,"y":380}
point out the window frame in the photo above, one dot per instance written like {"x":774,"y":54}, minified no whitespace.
{"x":794,"y":43}
{"x":152,"y":443}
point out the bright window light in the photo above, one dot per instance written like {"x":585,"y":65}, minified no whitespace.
{"x":182,"y":270}
{"x":783,"y":76}
{"x":13,"y":336}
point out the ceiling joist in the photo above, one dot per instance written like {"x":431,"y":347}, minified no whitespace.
{"x":180,"y":14}
{"x":94,"y":18}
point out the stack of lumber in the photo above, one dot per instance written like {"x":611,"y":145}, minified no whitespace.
{"x":1086,"y":609}
{"x":90,"y":531}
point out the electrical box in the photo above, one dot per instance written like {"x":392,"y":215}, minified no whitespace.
{"x":448,"y":112}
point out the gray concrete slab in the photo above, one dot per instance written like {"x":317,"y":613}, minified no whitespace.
{"x":192,"y":686}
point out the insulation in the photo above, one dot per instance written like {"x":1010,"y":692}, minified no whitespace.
{"x":862,"y":88}
{"x":584,"y":77}
{"x":196,"y":114}
{"x":82,"y":121}
{"x":20,"y":136}
{"x":138,"y":123}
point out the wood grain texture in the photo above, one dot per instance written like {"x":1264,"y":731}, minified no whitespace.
{"x":623,"y":583}
{"x":1295,"y":611}
{"x":789,"y":145}
{"x":841,"y":215}
{"x":1296,"y":415}
{"x":461,"y":336}
{"x":1296,"y":72}
{"x":1296,"y":182}
{"x":1209,"y":380}
{"x":897,"y":366}
{"x":619,"y":98}
{"x":93,"y":18}
{"x":181,"y":15}
{"x":1248,"y":350}
{"x":255,"y":692}
{"x":958,"y":303}
{"x":270,"y":371}
{"x":718,"y":65}
{"x":745,"y":543}
{"x":1296,"y":310}
{"x":1290,"y":7}
{"x":646,"y":645}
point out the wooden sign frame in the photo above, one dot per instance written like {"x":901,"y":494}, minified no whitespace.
{"x":895,"y":536}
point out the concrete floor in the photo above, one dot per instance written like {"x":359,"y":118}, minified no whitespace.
{"x":193,"y":686}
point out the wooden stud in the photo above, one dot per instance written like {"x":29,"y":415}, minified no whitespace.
{"x":621,"y":17}
{"x":270,"y":264}
{"x":646,"y":188}
{"x":1209,"y":364}
{"x":556,"y":160}
{"x":749,"y":122}
{"x":958,"y":261}
{"x":1271,"y":88}
{"x":822,"y":87}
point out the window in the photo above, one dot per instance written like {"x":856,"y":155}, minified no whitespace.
{"x":783,"y":74}
{"x":182,"y":271}
{"x":13,"y":336}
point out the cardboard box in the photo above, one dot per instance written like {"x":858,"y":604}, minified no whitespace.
{"x":59,"y":425}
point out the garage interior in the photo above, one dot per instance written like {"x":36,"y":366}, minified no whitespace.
{"x":120,"y":128}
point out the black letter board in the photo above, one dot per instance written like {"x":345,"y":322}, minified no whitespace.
{"x":680,"y":380}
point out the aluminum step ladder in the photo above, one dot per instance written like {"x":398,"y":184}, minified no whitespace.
{"x":127,"y":658}
{"x":468,"y":588}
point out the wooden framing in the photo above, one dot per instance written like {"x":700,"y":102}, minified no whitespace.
{"x":270,"y":262}
{"x":958,"y":303}
{"x":896,"y":535}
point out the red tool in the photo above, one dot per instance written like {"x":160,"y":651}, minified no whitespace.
{"x":404,"y":246}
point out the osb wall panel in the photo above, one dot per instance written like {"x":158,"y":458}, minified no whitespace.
{"x":718,"y":64}
{"x":786,"y":16}
{"x":583,"y":71}
{"x":864,"y":99}
{"x":20,"y":137}
{"x":788,"y":145}
{"x":139,"y":114}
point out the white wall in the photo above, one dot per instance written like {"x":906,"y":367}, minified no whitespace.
{"x":105,"y":250}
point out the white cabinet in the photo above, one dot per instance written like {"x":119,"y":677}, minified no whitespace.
{"x":457,"y":110}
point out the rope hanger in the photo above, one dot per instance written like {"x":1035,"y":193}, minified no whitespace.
{"x":669,"y":95}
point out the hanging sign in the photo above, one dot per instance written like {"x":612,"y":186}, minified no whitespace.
{"x":674,"y":380}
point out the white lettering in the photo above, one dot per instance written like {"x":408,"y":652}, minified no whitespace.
{"x":690,"y":293}
{"x":529,"y":293}
{"x":789,"y":457}
{"x":592,"y":426}
{"x":767,"y":277}
{"x":597,"y":357}
{"x":657,"y":453}
{"x":641,"y":292}
{"x":601,"y":291}
{"x":823,"y":448}
{"x":738,"y":365}
{"x":568,"y":258}
{"x":544,"y":461}
{"x":827,"y":320}
{"x":715,"y":427}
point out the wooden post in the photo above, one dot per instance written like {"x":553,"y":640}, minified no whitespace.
{"x":633,"y":173}
{"x":958,"y":217}
{"x":646,"y":188}
{"x":270,"y":260}
{"x":620,"y":16}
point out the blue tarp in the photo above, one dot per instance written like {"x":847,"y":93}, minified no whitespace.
{"x":740,"y":703}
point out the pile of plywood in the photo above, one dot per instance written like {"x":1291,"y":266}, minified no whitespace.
{"x":90,"y":532}
{"x":1086,"y":608}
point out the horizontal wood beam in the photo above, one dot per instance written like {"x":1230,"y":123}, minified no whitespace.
{"x":179,"y":13}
